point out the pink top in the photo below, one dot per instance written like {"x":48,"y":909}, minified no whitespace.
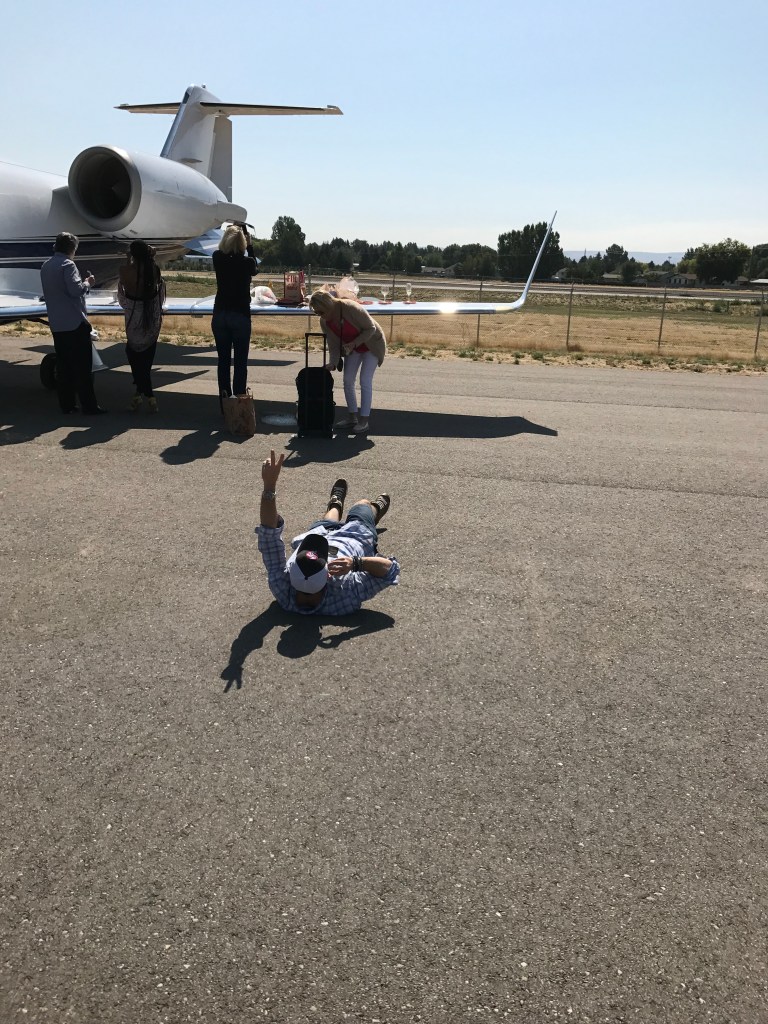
{"x":348,"y":333}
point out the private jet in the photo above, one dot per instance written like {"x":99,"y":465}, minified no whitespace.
{"x":176,"y":201}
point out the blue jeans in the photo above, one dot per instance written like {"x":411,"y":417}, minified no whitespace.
{"x":363,"y":514}
{"x":232,"y":331}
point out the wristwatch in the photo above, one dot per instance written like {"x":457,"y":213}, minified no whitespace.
{"x":268,"y":495}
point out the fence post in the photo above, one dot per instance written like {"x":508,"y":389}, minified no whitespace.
{"x":479,"y":299}
{"x":568,"y":328}
{"x":661,"y":325}
{"x":759,"y":321}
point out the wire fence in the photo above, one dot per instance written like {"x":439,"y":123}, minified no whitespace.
{"x":575,"y":321}
{"x":661,"y":324}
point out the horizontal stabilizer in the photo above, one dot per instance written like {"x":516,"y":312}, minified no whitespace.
{"x":201,"y":133}
{"x":227,"y":109}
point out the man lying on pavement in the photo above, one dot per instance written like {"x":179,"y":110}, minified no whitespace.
{"x":334,"y":566}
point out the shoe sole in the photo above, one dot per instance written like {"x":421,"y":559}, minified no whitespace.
{"x":338,"y":498}
{"x":380,"y":513}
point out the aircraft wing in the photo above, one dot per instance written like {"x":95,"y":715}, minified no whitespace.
{"x":105,"y":304}
{"x":27,"y":307}
{"x":20,"y":307}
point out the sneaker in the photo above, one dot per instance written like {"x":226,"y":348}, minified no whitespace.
{"x":152,"y":404}
{"x":338,"y":496}
{"x":362,"y":425}
{"x":135,"y":403}
{"x":349,"y":421}
{"x":381,"y":506}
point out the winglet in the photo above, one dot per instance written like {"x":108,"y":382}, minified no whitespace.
{"x":536,"y":262}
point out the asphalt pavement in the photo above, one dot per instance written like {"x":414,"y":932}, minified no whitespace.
{"x":528,"y":783}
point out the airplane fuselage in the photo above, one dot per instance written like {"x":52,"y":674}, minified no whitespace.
{"x":35,"y":206}
{"x":112,"y":196}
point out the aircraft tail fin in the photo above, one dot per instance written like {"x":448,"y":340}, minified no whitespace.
{"x":201,"y":133}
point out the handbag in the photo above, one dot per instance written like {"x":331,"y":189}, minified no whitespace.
{"x":239,"y":413}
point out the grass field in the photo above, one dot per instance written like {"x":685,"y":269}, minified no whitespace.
{"x":697,"y":333}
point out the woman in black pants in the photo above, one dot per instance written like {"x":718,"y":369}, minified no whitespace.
{"x":235,"y":265}
{"x":141,"y":293}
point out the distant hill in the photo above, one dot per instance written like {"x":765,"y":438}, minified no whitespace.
{"x":641,"y":257}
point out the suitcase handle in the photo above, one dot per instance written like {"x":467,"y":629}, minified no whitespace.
{"x":315,"y":334}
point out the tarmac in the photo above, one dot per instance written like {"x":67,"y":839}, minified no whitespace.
{"x":528,"y":783}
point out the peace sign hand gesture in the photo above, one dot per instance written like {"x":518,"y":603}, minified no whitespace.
{"x":270,"y":470}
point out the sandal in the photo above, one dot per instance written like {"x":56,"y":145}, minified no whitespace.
{"x":338,"y":496}
{"x":381,"y":506}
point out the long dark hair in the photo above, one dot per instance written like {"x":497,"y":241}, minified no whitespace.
{"x":147,"y":278}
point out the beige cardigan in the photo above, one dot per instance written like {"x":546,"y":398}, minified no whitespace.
{"x":370,"y":333}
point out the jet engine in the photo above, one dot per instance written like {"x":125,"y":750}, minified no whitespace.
{"x":135,"y":195}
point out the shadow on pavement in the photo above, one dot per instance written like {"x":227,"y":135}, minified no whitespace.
{"x":200,"y":444}
{"x":189,"y":357}
{"x":302,"y":635}
{"x":393,"y":423}
{"x":28,"y":411}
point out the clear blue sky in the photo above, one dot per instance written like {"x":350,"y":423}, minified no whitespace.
{"x":643,"y":125}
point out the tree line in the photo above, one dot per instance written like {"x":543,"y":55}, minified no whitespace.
{"x":511,"y":260}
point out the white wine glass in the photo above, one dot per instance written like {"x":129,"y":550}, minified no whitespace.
{"x":408,"y":290}
{"x":384,"y":293}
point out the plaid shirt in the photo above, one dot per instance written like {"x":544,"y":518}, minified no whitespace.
{"x":344,"y":594}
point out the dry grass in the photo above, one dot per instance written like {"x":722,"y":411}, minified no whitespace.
{"x":697,"y":333}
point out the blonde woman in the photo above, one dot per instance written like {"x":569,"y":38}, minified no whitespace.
{"x":235,"y":265}
{"x":350,"y":331}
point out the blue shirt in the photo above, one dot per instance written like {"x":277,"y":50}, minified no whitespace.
{"x":344,"y":594}
{"x":64,"y":293}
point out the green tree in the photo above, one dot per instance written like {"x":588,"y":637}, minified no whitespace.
{"x":413,"y":263}
{"x":723,"y":261}
{"x":629,"y":271}
{"x":758,"y":261}
{"x":396,"y":257}
{"x":263,"y":248}
{"x":615,"y":256}
{"x":342,"y":258}
{"x":517,"y":251}
{"x":590,"y":268}
{"x":487,"y":265}
{"x":288,"y":241}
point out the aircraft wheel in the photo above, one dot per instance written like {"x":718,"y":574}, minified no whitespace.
{"x":48,"y":373}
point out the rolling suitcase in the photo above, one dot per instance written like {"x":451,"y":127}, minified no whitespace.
{"x":315,"y":408}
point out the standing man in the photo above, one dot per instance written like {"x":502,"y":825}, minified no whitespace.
{"x":64,"y":293}
{"x":334,"y":566}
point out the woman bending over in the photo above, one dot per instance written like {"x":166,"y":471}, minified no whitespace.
{"x":353,"y":333}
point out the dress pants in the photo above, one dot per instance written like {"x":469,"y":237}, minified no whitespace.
{"x":74,"y":368}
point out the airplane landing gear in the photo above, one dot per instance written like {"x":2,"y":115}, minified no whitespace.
{"x":48,"y":371}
